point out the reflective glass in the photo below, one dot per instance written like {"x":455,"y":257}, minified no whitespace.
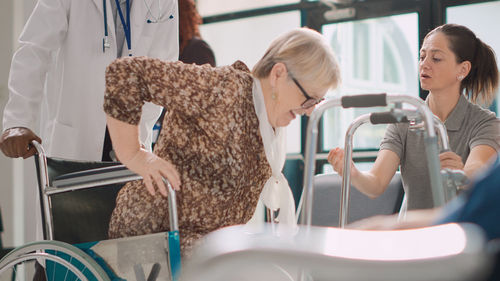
{"x":375,"y":55}
{"x":482,"y":19}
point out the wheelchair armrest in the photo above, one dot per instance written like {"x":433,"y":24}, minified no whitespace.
{"x":57,"y":167}
{"x":95,"y":177}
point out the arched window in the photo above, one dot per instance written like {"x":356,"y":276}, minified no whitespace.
{"x":376,"y":55}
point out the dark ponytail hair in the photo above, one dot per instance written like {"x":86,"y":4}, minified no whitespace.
{"x":482,"y":81}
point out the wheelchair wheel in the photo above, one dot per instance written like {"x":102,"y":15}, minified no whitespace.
{"x":50,"y":261}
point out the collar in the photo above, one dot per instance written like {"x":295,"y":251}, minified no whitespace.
{"x":457,"y":115}
{"x":239,"y":65}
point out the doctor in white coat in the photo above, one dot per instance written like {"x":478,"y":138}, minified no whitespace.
{"x":56,"y":82}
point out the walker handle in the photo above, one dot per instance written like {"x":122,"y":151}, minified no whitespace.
{"x":387,"y":117}
{"x":369,"y":100}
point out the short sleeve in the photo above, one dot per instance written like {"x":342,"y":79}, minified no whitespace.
{"x":195,"y":91}
{"x":487,"y":132}
{"x":393,"y":140}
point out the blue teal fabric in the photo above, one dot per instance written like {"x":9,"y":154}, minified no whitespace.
{"x":479,"y":205}
{"x":55,"y":271}
{"x":87,"y":248}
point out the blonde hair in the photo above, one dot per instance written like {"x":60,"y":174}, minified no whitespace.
{"x":307,"y":56}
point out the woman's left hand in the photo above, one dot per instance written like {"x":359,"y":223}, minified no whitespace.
{"x":450,"y":160}
{"x":153,"y":170}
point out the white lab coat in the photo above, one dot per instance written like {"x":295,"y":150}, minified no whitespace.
{"x":57,"y":75}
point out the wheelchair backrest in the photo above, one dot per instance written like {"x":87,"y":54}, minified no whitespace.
{"x":82,"y":215}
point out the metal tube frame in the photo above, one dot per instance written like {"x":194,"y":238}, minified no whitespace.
{"x":346,"y":174}
{"x":43,"y":177}
{"x":172,"y":205}
{"x":348,"y":148}
{"x":46,"y":191}
{"x":443,"y":134}
{"x":55,"y":258}
{"x":430,"y":139}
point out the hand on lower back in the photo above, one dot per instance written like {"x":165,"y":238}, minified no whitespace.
{"x":153,"y":169}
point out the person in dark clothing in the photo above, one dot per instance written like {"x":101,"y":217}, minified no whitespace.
{"x":192,"y":48}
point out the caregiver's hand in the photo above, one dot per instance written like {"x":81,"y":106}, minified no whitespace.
{"x":16,"y":142}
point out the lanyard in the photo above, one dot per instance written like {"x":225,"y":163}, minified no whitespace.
{"x":126,"y":24}
{"x":105,"y":42}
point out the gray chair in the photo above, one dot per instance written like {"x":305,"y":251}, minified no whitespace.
{"x":326,"y":202}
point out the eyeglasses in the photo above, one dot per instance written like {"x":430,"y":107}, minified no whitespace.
{"x":309,"y":102}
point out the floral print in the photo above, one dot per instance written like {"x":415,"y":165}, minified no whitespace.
{"x":210,"y":133}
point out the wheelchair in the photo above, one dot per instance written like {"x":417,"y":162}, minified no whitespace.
{"x":76,"y":200}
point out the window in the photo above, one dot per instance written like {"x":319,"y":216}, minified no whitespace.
{"x":482,"y":19}
{"x":376,"y":55}
{"x":378,"y":52}
{"x":246,"y":39}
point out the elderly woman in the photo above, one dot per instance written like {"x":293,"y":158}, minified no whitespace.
{"x":222,"y":139}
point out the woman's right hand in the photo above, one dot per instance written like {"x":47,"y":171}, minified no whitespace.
{"x":153,"y":169}
{"x":336,"y":159}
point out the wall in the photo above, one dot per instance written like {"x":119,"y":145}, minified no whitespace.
{"x":6,"y":196}
{"x":18,"y":227}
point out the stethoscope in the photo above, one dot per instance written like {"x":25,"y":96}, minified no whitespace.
{"x":126,"y":22}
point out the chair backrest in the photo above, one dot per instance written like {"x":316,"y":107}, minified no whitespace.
{"x":80,"y":215}
{"x":326,"y":200}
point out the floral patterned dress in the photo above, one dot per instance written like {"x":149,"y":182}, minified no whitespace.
{"x":210,"y":133}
